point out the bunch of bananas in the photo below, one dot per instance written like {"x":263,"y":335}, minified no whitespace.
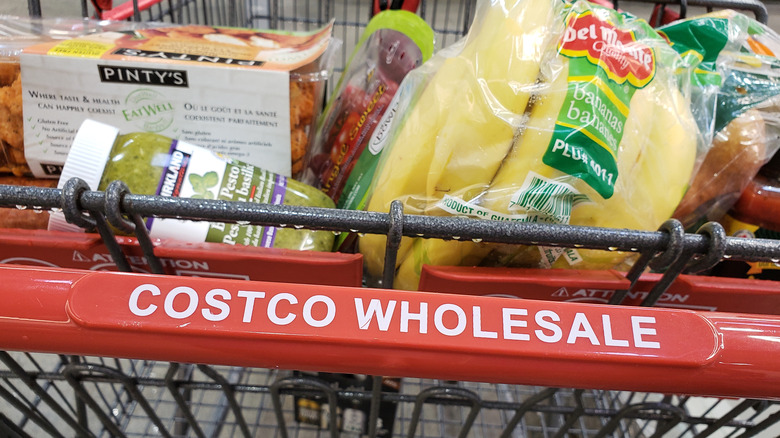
{"x":478,"y":131}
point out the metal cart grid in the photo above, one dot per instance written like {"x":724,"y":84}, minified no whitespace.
{"x":103,"y":382}
{"x":126,"y":397}
{"x":211,"y":407}
{"x":119,"y":389}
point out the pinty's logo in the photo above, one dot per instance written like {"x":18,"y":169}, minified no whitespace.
{"x":615,"y":50}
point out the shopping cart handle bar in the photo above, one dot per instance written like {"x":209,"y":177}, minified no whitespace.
{"x":382,"y":332}
{"x":371,"y":222}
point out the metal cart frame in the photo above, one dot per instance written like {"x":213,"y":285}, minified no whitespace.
{"x":81,"y":361}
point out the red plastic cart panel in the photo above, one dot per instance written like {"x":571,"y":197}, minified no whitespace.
{"x":687,"y":291}
{"x":386,"y":332}
{"x":86,"y":251}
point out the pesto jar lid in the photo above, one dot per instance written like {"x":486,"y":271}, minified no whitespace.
{"x":86,"y":159}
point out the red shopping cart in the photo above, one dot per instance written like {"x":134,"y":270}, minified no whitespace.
{"x":94,"y":352}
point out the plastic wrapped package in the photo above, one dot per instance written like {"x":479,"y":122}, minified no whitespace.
{"x":394,"y":43}
{"x":747,"y":118}
{"x":546,"y":112}
{"x":737,"y":152}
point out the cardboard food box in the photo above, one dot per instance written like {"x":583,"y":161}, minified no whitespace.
{"x":249,"y":94}
{"x":17,"y":33}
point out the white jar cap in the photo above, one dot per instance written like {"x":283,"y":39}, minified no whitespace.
{"x":86,"y":159}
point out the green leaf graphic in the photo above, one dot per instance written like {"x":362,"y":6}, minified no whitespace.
{"x":197,"y":183}
{"x":210,"y":179}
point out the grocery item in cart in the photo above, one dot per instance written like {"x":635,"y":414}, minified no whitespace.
{"x":759,"y":203}
{"x":747,"y":116}
{"x":11,"y":137}
{"x":547,"y":112}
{"x":16,"y":33}
{"x":760,"y":193}
{"x":756,"y":214}
{"x":394,"y":43}
{"x":154,"y":164}
{"x":250,"y":94}
{"x":737,"y":152}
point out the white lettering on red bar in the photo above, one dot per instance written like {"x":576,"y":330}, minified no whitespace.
{"x":318,"y":311}
{"x":606,"y":322}
{"x":510,"y":323}
{"x":383,"y":317}
{"x":556,"y":335}
{"x":329,"y":316}
{"x":154,"y":290}
{"x":407,"y":316}
{"x":249,"y":307}
{"x":211,"y":300}
{"x":478,"y":332}
{"x":581,"y":328}
{"x":639,"y":331}
{"x":273,"y":316}
{"x":548,"y":322}
{"x":191,"y":307}
{"x":438,"y":320}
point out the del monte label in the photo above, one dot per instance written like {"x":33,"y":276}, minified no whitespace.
{"x":615,"y":50}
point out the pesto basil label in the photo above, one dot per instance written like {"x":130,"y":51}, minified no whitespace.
{"x":194,"y":172}
{"x":243,"y":182}
{"x":606,"y":66}
{"x":190,"y":171}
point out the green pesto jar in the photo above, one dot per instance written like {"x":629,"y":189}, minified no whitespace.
{"x":153,"y":164}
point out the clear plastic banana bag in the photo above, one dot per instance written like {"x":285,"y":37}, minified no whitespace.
{"x":746,"y":123}
{"x":547,"y":111}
